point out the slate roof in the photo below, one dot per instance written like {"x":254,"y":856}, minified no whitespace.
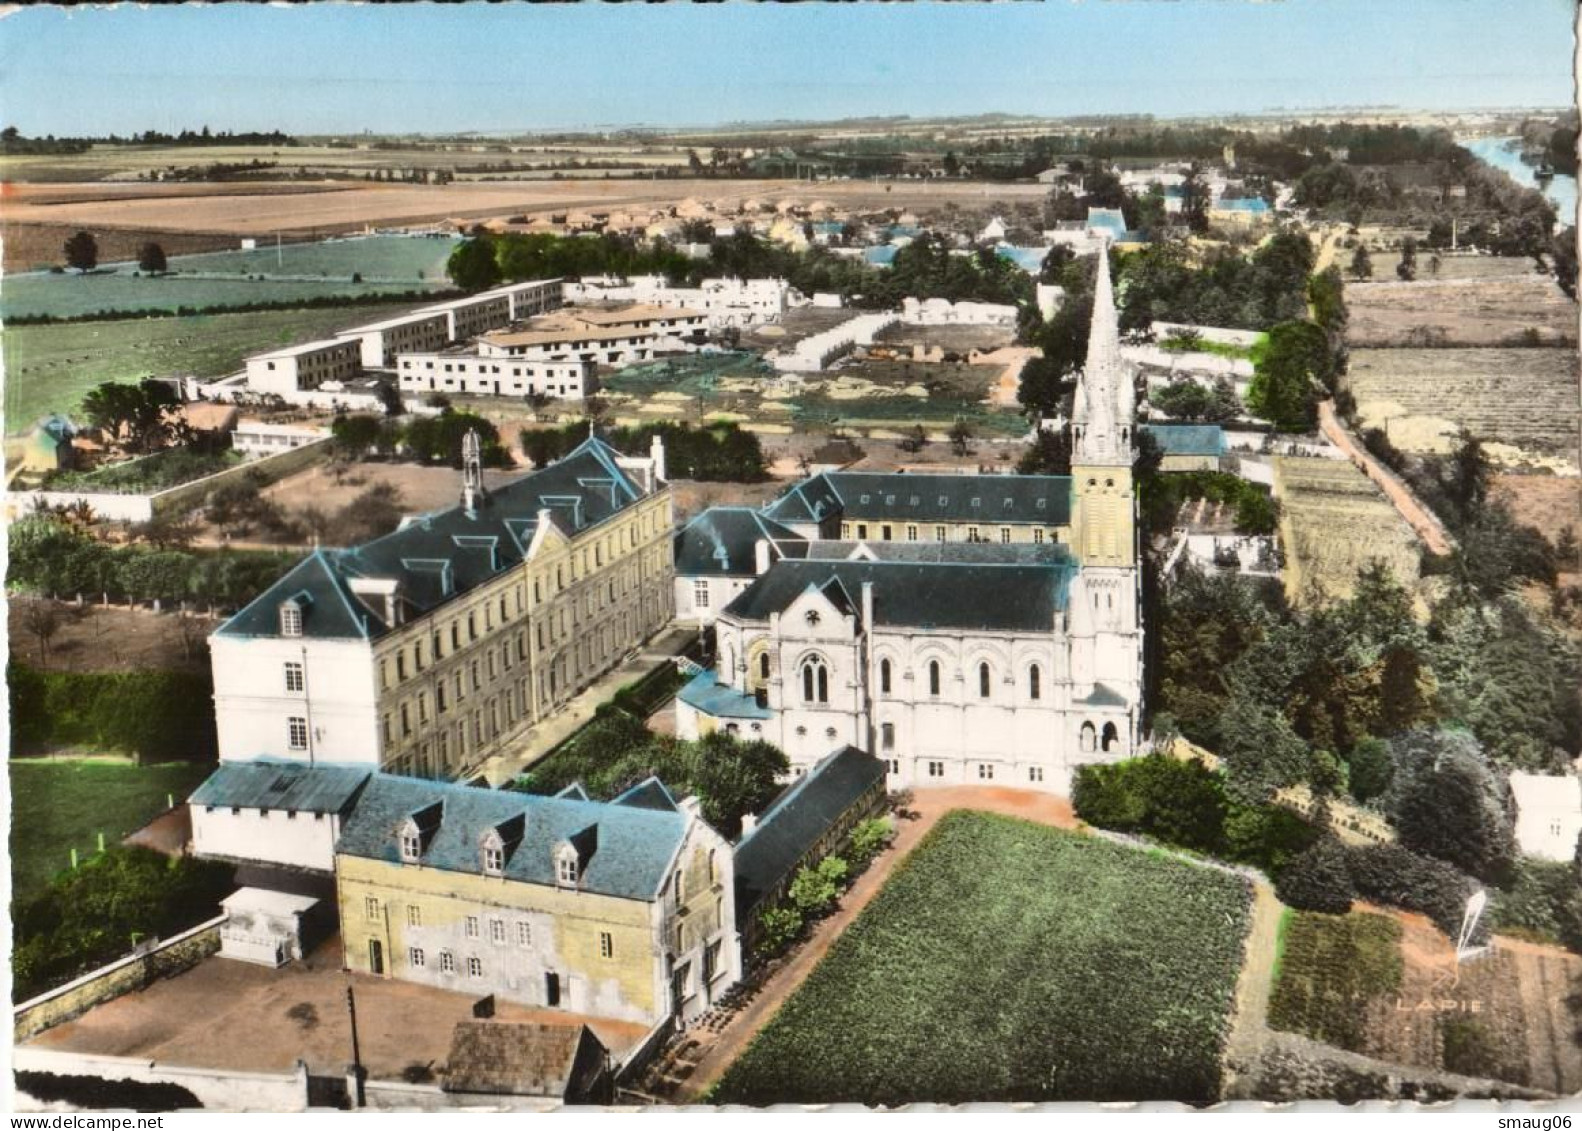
{"x":796,"y":819}
{"x":1243,"y":204}
{"x":720,"y":701}
{"x":990,"y":597}
{"x":514,"y":1058}
{"x":281,"y":785}
{"x":1188,"y":439}
{"x":870,"y":496}
{"x":627,"y":848}
{"x":881,"y":256}
{"x":979,"y":553}
{"x":443,"y":554}
{"x":1029,"y":259}
{"x":723,"y":541}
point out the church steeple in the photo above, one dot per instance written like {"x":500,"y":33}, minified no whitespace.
{"x":1102,"y":422}
{"x":1102,"y":413}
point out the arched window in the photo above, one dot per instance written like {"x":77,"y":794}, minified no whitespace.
{"x":884,"y":677}
{"x":1035,"y":680}
{"x":933,"y":677}
{"x":983,"y":681}
{"x":763,"y":665}
{"x":1085,"y":738}
{"x":1111,"y":736}
{"x":815,"y":681}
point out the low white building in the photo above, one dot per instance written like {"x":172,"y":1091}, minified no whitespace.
{"x":1548,"y":814}
{"x":264,"y":927}
{"x":473,"y":374}
{"x":725,"y":302}
{"x":260,"y":438}
{"x":305,"y":367}
{"x":943,"y":312}
{"x":287,"y":814}
{"x":381,"y":342}
{"x":613,"y":336}
{"x":818,"y":351}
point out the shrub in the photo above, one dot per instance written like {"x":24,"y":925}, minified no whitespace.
{"x":148,"y":713}
{"x":1317,"y":880}
{"x":813,"y":889}
{"x":1543,"y":902}
{"x":1399,"y":877}
{"x":867,"y":838}
{"x":778,"y":927}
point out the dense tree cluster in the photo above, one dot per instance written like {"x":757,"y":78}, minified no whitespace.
{"x":717,"y":453}
{"x":731,"y":778}
{"x":50,"y":556}
{"x":431,"y":439}
{"x":100,"y":910}
{"x":1165,"y":282}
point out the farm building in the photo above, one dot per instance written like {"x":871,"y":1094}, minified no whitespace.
{"x":495,"y":1058}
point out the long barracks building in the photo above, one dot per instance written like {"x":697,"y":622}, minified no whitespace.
{"x":432,"y":649}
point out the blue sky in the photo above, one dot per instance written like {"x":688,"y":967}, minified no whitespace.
{"x":339,"y":68}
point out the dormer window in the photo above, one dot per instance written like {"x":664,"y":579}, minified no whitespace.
{"x":290,"y":619}
{"x":493,"y":860}
{"x":566,"y":867}
{"x":411,"y":845}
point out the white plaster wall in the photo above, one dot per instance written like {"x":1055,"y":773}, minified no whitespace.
{"x":251,"y":703}
{"x":304,"y":841}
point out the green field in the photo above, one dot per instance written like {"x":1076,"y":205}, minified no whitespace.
{"x":1007,"y":961}
{"x":60,"y":805}
{"x":49,"y":368}
{"x":1331,"y":967}
{"x":291,"y":273}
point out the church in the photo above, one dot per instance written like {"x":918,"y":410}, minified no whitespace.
{"x":964,"y":629}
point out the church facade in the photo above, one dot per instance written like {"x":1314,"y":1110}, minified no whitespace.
{"x":997,"y":656}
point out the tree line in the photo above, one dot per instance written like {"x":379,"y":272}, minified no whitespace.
{"x":715,"y":453}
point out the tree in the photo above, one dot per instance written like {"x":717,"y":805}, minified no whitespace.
{"x":814,"y":888}
{"x":1049,"y":454}
{"x":1448,"y":802}
{"x":151,"y":259}
{"x":1294,"y":368}
{"x":1317,"y":880}
{"x":41,"y":618}
{"x":472,"y":266}
{"x":142,"y":417}
{"x":1406,"y":269}
{"x":960,"y":438}
{"x":914,"y":441}
{"x":82,"y":252}
{"x":355,"y":435}
{"x":733,"y":779}
{"x":375,"y":512}
{"x":1194,"y":200}
{"x":1361,"y":263}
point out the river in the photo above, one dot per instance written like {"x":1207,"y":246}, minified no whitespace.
{"x":1504,"y":153}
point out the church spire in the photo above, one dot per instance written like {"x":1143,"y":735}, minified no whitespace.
{"x":1101,"y":416}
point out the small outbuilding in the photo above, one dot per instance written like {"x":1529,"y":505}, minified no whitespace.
{"x":563,"y":1062}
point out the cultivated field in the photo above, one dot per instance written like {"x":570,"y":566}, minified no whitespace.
{"x":1450,"y":266}
{"x":1549,"y":503}
{"x":1460,"y":312}
{"x":1389,"y":987}
{"x":343,"y":207}
{"x":1522,"y":403}
{"x":1008,"y":961}
{"x":49,"y":368}
{"x":1335,"y":522}
{"x":68,"y":802}
{"x":326,"y":269}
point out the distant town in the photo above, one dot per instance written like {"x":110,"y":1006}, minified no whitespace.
{"x":878,"y":612}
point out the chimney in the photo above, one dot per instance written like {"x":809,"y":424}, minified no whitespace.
{"x":761,"y":557}
{"x":867,"y":606}
{"x":749,"y":822}
{"x":656,"y":452}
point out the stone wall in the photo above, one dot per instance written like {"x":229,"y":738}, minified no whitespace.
{"x":121,"y":976}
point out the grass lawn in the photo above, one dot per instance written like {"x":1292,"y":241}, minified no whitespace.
{"x":64,"y":804}
{"x":49,"y":368}
{"x":1007,"y":961}
{"x":1331,"y":967}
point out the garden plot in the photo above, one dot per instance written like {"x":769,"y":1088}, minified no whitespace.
{"x":1008,"y":961}
{"x":1521,"y":403}
{"x":1460,"y":312}
{"x":1335,"y":523}
{"x":1389,"y":987}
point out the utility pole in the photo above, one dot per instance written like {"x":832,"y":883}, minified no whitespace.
{"x":355,"y":1084}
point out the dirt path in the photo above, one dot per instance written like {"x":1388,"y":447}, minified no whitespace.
{"x":1250,"y":1020}
{"x":1422,"y":521}
{"x":928,"y":806}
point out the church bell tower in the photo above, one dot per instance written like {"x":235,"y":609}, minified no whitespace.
{"x":1103,"y":420}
